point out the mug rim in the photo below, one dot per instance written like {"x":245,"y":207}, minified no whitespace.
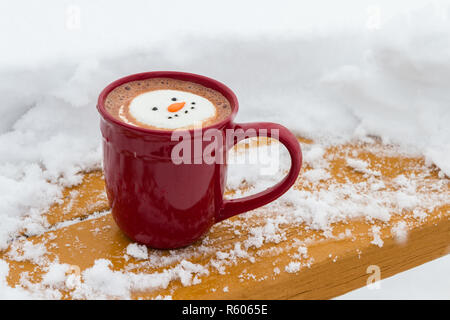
{"x":178,"y":75}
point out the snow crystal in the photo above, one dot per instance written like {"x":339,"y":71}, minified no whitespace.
{"x":387,"y":84}
{"x":303,"y":250}
{"x":101,"y":281}
{"x":316,"y":175}
{"x":56,"y":275}
{"x":400,"y":231}
{"x":268,"y":233}
{"x":254,"y":165}
{"x":357,"y":164}
{"x":401,"y":181}
{"x":6,"y":292}
{"x":137,"y":251}
{"x":27,"y":250}
{"x":186,"y":270}
{"x":376,"y":232}
{"x":361,"y":166}
{"x":293,"y":267}
{"x":406,"y":201}
{"x":159,"y":297}
{"x":331,"y":86}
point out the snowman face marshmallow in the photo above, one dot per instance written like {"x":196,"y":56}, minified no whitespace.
{"x":171,"y":109}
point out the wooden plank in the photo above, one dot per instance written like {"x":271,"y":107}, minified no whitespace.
{"x":334,"y":264}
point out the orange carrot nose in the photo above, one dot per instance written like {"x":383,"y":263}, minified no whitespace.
{"x":174,"y":107}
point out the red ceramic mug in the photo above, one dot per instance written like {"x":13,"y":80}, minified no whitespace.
{"x":166,"y":205}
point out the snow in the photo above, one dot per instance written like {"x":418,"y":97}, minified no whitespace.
{"x":303,"y":251}
{"x":101,"y":282}
{"x":56,"y":275}
{"x":293,"y":267}
{"x":354,"y":74}
{"x":358,"y":165}
{"x":316,"y":175}
{"x":6,"y":292}
{"x":313,"y":156}
{"x":353,"y":82}
{"x":104,"y":282}
{"x":159,"y":297}
{"x":267,"y":233}
{"x":28,"y":251}
{"x":428,"y":281}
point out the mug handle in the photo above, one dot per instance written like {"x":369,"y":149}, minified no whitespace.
{"x":236,"y":206}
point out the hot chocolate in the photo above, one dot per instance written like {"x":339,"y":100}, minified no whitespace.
{"x":167,"y":104}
